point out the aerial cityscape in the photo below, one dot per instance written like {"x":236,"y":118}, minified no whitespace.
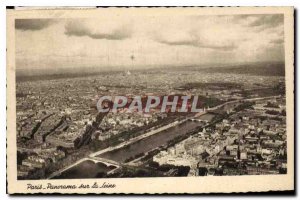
{"x":240,"y":130}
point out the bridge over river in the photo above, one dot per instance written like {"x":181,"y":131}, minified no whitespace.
{"x":107,"y":162}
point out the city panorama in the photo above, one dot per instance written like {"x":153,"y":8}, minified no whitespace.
{"x":233,"y":64}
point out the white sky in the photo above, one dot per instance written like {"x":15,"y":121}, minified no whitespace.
{"x":155,"y":41}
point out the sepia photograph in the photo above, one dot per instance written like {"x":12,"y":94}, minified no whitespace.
{"x":129,"y":100}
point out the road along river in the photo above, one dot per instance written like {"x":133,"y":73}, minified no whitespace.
{"x":149,"y":143}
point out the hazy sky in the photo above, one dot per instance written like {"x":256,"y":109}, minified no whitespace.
{"x":163,"y":40}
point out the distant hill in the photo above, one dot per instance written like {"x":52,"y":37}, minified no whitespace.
{"x":260,"y":69}
{"x":40,"y":74}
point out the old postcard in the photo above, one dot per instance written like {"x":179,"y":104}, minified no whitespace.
{"x":150,"y":100}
